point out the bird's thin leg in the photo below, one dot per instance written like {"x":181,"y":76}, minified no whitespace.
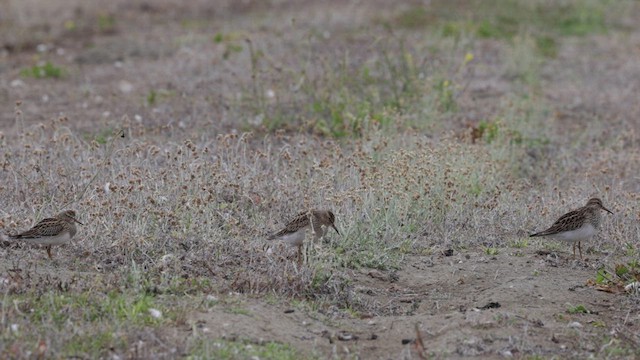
{"x":312,"y":225}
{"x":49,"y":252}
{"x":299,"y":254}
{"x":580,"y":249}
{"x":574,"y":250}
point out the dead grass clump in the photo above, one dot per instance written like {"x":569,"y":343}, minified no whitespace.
{"x":202,"y":209}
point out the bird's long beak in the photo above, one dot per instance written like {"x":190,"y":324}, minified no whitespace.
{"x":76,"y":220}
{"x":335,"y":228}
{"x":607,"y":210}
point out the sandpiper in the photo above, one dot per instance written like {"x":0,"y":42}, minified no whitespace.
{"x":318,"y":221}
{"x":51,"y":231}
{"x":577,"y":225}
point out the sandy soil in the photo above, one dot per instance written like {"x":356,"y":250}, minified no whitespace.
{"x":465,"y":305}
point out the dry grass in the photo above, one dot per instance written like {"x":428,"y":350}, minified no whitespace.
{"x":387,"y":128}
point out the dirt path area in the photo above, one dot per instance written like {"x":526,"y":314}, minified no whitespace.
{"x":465,"y":305}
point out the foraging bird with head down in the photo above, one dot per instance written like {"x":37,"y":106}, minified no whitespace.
{"x":316,"y":221}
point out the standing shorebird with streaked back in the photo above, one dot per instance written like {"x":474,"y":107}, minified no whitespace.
{"x":316,"y":221}
{"x":577,"y":225}
{"x":57,"y":230}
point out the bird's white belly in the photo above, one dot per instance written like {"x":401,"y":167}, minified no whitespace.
{"x":294,"y":239}
{"x":581,"y":234}
{"x":297,"y":238}
{"x":50,"y":240}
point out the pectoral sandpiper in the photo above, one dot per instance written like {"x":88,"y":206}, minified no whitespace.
{"x":51,"y":231}
{"x":317,"y":221}
{"x":577,"y":225}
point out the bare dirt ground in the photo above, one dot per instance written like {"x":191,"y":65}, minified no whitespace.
{"x":466,"y":305}
{"x":168,"y":72}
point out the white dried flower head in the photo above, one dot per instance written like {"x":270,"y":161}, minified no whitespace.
{"x":155,"y":313}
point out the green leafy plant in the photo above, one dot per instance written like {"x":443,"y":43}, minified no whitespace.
{"x":491,"y":251}
{"x":46,"y":70}
{"x":578,"y":309}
